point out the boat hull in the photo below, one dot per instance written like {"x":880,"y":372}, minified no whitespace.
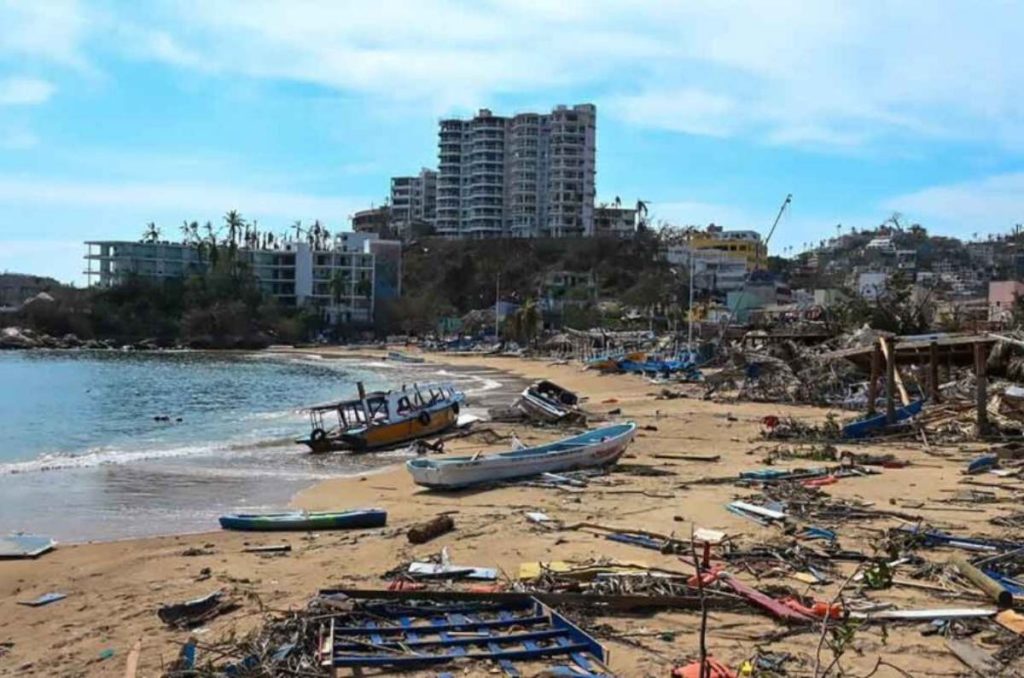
{"x":565,"y":455}
{"x":382,"y":436}
{"x":299,"y":521}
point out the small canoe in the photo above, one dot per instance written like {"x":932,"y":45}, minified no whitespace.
{"x":597,"y":448}
{"x":303,"y":521}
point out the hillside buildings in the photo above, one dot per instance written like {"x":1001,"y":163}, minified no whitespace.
{"x":346,"y":280}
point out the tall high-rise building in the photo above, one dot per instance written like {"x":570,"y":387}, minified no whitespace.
{"x":413,"y":201}
{"x":530,"y":175}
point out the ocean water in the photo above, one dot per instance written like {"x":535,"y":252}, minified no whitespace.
{"x":85,"y":453}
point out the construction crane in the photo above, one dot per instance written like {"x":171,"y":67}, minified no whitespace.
{"x":757,"y":266}
{"x":771,"y":231}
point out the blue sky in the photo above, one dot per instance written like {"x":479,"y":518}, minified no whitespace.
{"x":113,"y":114}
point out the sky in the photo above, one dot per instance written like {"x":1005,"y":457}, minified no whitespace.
{"x":114,"y":114}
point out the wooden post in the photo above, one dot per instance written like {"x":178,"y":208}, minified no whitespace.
{"x":980,"y":360}
{"x":362,"y":399}
{"x":890,"y":383}
{"x":876,"y":368}
{"x":933,"y":372}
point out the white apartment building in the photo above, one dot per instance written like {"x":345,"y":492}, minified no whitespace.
{"x":612,"y":221}
{"x":530,"y":175}
{"x":713,"y":270}
{"x":341,"y":279}
{"x":413,"y":200}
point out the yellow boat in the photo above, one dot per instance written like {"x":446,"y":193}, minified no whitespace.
{"x":383,"y":419}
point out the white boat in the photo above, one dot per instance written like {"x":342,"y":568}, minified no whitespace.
{"x":400,"y":357}
{"x":600,"y":447}
{"x":548,"y":402}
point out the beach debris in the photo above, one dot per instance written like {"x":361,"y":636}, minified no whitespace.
{"x":979,"y":661}
{"x":689,"y":457}
{"x":270,"y":549}
{"x":430,"y":570}
{"x":982,"y":464}
{"x":391,"y":631}
{"x":131,"y":667}
{"x":194,"y":612}
{"x":195,"y":551}
{"x":712,"y":669}
{"x":990,"y":586}
{"x":758,"y":514}
{"x":1011,"y":620}
{"x":25,"y":546}
{"x":44,"y":599}
{"x":421,"y":533}
{"x":105,"y":654}
{"x":186,"y":660}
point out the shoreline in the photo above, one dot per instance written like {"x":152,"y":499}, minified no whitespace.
{"x":257,"y":473}
{"x":114,"y":588}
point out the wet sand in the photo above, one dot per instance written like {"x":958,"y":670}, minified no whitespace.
{"x":114,"y":588}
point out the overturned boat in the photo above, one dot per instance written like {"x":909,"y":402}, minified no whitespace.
{"x":548,"y":402}
{"x":597,"y":448}
{"x":383,"y":419}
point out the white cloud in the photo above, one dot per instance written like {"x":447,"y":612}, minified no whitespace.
{"x":24,"y":91}
{"x":992,"y":204}
{"x":826,"y":74}
{"x":190,"y":200}
{"x":50,"y":31}
{"x":18,"y":140}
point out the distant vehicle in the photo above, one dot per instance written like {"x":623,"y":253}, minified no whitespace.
{"x":383,"y":419}
{"x":597,"y":448}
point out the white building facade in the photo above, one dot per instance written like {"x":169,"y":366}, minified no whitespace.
{"x":340,"y":279}
{"x":413,"y":200}
{"x":529,"y":175}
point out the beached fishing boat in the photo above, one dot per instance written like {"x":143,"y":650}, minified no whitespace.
{"x":400,"y":357}
{"x":600,"y":447}
{"x":301,"y":520}
{"x":547,"y":401}
{"x":383,"y":419}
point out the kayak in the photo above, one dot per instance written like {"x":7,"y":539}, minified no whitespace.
{"x":302,"y":520}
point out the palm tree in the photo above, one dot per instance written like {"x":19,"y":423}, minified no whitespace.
{"x":298,"y":229}
{"x":338,"y":285}
{"x":151,"y":233}
{"x":186,"y":232}
{"x":233,"y":220}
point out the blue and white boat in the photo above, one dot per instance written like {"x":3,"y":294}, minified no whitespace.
{"x":597,"y":448}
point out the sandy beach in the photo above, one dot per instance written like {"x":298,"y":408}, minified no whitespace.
{"x":115,"y":588}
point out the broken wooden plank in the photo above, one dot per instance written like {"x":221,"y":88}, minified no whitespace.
{"x":979,"y":661}
{"x":132,"y":665}
{"x":1014,"y":621}
{"x":689,"y":457}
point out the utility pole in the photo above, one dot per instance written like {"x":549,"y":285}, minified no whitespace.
{"x":689,"y":314}
{"x":497,"y":306}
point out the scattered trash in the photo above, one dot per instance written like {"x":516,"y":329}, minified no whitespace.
{"x":25,"y":546}
{"x":421,"y":533}
{"x":44,"y":599}
{"x":194,"y":612}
